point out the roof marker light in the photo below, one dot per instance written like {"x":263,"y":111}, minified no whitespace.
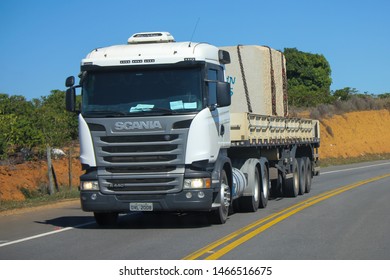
{"x":151,"y":37}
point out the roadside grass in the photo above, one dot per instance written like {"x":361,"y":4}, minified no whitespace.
{"x":37,"y":198}
{"x":343,"y":161}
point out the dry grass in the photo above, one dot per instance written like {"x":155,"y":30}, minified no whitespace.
{"x":354,"y":104}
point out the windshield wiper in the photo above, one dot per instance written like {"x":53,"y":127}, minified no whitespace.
{"x":141,"y":111}
{"x":106,"y":113}
{"x":161,"y":109}
{"x":154,"y":110}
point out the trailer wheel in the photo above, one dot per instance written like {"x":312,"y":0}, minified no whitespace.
{"x":220,"y":215}
{"x":251,"y":203}
{"x":276,"y":186}
{"x":302,"y":175}
{"x":106,"y":219}
{"x":265,"y":189}
{"x":309,"y":175}
{"x":291,"y":185}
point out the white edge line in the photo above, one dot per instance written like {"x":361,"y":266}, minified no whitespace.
{"x":45,"y":234}
{"x":355,"y":168}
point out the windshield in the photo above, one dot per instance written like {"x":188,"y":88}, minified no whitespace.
{"x":127,"y":92}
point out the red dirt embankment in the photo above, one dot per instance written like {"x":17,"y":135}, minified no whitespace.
{"x":349,"y":135}
{"x":32,"y":175}
{"x":355,"y":134}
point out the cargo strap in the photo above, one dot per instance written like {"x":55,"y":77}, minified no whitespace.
{"x":273,"y":86}
{"x":285,"y":94}
{"x":248,"y":101}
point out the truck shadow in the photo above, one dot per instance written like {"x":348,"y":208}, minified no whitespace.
{"x":135,"y":220}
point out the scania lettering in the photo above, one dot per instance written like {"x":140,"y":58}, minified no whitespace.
{"x":137,"y":125}
{"x":185,"y":126}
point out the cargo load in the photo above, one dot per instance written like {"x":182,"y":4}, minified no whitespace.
{"x":257,"y":75}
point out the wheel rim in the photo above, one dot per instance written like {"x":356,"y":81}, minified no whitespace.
{"x":296,"y":180}
{"x":225,"y":195}
{"x":302,"y":177}
{"x":265,"y":185}
{"x":256,"y":188}
{"x":308,"y":176}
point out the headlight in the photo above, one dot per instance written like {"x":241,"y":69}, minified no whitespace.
{"x":89,"y":185}
{"x":198,"y":183}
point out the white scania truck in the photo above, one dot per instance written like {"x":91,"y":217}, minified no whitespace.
{"x":184,"y":126}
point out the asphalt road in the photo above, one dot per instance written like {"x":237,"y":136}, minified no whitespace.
{"x":345,"y":216}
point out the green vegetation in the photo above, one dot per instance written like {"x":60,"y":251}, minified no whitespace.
{"x":309,"y":80}
{"x":308,"y":77}
{"x":31,"y":126}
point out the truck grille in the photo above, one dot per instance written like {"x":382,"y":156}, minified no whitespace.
{"x":150,"y":184}
{"x":133,"y":159}
{"x":140,"y":162}
{"x":140,"y":169}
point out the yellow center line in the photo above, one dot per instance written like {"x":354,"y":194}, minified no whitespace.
{"x":233,"y":235}
{"x":268,"y":222}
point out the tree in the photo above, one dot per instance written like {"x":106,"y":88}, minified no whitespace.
{"x":34,"y":124}
{"x":345,"y":93}
{"x":57,"y":125}
{"x":384,"y":95}
{"x":308,"y":78}
{"x":17,"y":124}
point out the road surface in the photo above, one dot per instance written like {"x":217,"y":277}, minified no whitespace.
{"x":345,"y":216}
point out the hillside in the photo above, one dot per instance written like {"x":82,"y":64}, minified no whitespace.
{"x":349,"y":135}
{"x":355,"y":134}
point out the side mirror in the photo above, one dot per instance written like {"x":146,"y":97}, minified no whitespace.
{"x":223,"y":94}
{"x":224,"y":57}
{"x":69,"y":81}
{"x":70,"y":99}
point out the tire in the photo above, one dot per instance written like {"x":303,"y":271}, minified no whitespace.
{"x":291,"y":185}
{"x":309,"y":174}
{"x":265,"y":189}
{"x":220,"y":215}
{"x":106,"y":219}
{"x":251,"y":203}
{"x":302,"y":175}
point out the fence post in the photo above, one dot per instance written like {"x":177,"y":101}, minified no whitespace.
{"x":50,"y":170}
{"x":70,"y":166}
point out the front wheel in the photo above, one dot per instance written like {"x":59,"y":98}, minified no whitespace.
{"x":220,"y":215}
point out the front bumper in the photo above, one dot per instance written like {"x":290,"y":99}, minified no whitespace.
{"x":186,"y":200}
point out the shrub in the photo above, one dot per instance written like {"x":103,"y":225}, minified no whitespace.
{"x":329,"y":130}
{"x":357,"y":102}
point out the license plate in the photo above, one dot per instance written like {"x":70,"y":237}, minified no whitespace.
{"x":141,"y":206}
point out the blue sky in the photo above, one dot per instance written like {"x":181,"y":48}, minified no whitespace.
{"x":42,"y":41}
